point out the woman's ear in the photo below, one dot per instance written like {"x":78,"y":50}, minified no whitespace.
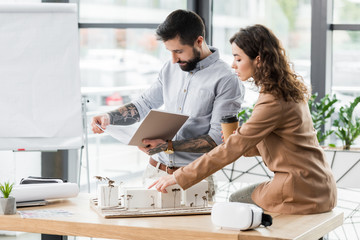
{"x":257,"y":61}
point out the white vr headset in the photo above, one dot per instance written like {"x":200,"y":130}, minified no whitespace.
{"x":239,"y":216}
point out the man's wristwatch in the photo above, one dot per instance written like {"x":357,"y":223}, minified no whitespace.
{"x":170,"y":149}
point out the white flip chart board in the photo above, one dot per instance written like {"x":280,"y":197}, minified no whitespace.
{"x":40,"y":97}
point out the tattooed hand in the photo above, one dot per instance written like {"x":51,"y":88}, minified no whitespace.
{"x":102,"y":120}
{"x":153,"y":146}
{"x":125,"y":115}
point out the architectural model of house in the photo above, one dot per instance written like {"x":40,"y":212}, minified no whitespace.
{"x":197,"y":195}
{"x":171,"y":199}
{"x":107,"y":196}
{"x":150,"y":198}
{"x":137,"y":197}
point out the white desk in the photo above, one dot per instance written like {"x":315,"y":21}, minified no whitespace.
{"x":86,"y":222}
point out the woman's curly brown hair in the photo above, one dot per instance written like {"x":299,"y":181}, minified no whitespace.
{"x":273,"y":75}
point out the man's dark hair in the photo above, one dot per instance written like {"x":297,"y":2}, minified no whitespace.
{"x":185,"y":24}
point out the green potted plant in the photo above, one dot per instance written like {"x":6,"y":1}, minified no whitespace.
{"x":245,"y":114}
{"x":321,"y":111}
{"x":348,"y":125}
{"x":7,"y":202}
{"x":344,"y":161}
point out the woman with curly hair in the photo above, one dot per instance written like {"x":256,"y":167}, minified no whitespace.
{"x":280,"y":130}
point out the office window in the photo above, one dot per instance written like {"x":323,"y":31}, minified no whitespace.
{"x":290,"y":20}
{"x":346,"y":12}
{"x":128,"y":11}
{"x":119,"y":57}
{"x":117,"y":64}
{"x":346,"y":70}
{"x":346,"y":63}
{"x":346,"y":49}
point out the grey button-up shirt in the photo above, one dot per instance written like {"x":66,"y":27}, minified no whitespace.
{"x":207,"y":93}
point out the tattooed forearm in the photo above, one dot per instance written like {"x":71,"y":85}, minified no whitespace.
{"x":200,"y":144}
{"x":159,"y":148}
{"x":126,"y":115}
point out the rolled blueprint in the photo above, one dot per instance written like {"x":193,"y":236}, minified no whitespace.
{"x":34,"y":192}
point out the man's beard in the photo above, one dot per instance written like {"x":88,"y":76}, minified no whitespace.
{"x":191,"y":64}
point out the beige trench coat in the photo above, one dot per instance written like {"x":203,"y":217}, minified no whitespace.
{"x":282,"y":134}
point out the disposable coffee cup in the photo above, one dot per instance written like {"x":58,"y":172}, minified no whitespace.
{"x":229,"y":124}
